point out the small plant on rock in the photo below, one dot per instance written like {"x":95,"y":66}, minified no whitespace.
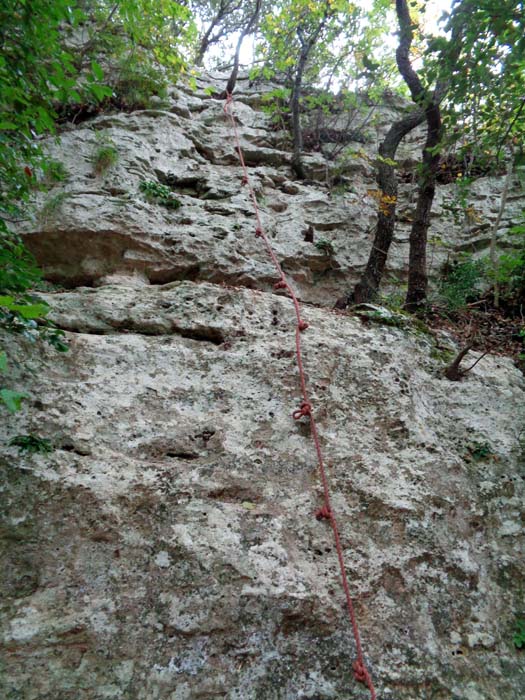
{"x":325,"y":246}
{"x":105,"y":155}
{"x":52,"y":206}
{"x":32,"y":444}
{"x":55,"y":171}
{"x":159,"y":193}
{"x":519,"y":634}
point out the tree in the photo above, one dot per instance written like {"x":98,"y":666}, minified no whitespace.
{"x":38,"y":74}
{"x":220,"y":19}
{"x":417,"y":267}
{"x":487,"y":98}
{"x":304,"y":42}
{"x":247,"y":30}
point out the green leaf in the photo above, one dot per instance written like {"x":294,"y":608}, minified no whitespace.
{"x":8,"y":126}
{"x":97,"y":70}
{"x":11,"y":399}
{"x":7,"y":301}
{"x":100,"y":91}
{"x":31,"y":311}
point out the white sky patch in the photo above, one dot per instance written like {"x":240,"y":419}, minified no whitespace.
{"x":222,"y":54}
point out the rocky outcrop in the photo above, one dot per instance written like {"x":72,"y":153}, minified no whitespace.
{"x":111,"y":227}
{"x":167,"y":548}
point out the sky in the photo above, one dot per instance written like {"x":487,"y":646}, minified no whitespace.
{"x":434,"y":10}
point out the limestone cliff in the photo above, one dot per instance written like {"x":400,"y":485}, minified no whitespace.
{"x":167,"y":548}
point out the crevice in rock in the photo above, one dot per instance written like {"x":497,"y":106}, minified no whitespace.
{"x":202,"y":334}
{"x":182,"y":455}
{"x":208,"y":335}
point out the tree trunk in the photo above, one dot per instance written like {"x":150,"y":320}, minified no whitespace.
{"x":494,"y":262}
{"x":245,"y":32}
{"x":417,"y":262}
{"x":417,"y":266}
{"x":367,"y":287}
{"x":295,"y":100}
{"x":297,"y":133}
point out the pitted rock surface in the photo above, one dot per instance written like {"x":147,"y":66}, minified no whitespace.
{"x":110,"y":226}
{"x":167,"y":549}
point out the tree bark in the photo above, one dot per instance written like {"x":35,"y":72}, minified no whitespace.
{"x":417,"y":265}
{"x":297,"y":133}
{"x":367,"y":287}
{"x":494,"y":261}
{"x":230,"y":86}
{"x":295,"y":99}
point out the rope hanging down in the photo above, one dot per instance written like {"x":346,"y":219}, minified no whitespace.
{"x":359,"y":668}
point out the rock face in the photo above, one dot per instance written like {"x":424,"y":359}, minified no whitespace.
{"x":167,"y":548}
{"x":112,"y":228}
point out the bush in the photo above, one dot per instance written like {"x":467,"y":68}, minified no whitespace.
{"x":138,"y":81}
{"x":105,"y":155}
{"x":462,"y":282}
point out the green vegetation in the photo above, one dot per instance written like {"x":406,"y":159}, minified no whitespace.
{"x":31,"y":444}
{"x":325,"y":246}
{"x":51,"y":206}
{"x":462,"y":282}
{"x":105,"y":154}
{"x":138,"y":81}
{"x":518,"y":638}
{"x":42,"y":79}
{"x":54,"y":171}
{"x":159,"y":193}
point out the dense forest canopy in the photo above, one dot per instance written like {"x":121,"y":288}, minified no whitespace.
{"x":464,"y":75}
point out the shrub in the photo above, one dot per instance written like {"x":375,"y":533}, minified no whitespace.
{"x":138,"y":81}
{"x":159,"y":193}
{"x":461,"y":282}
{"x":105,"y":155}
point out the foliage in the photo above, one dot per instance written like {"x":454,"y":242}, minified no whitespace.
{"x":511,"y":267}
{"x":484,"y":106}
{"x":51,"y":206}
{"x":341,"y":57}
{"x":105,"y":154}
{"x":325,"y":246}
{"x":220,"y":21}
{"x":159,"y":193}
{"x":31,"y":444}
{"x":461,"y":282}
{"x":154,"y":32}
{"x":518,"y":637}
{"x":480,"y":451}
{"x":138,"y":80}
{"x":54,"y":171}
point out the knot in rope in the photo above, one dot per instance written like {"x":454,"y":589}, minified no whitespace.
{"x":360,"y":673}
{"x":258,"y":232}
{"x":280,"y":285}
{"x":305,"y":409}
{"x":302,"y":325}
{"x":362,"y":676}
{"x":324,"y":513}
{"x":244,"y":180}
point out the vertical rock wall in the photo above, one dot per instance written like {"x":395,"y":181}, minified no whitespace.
{"x":167,"y":548}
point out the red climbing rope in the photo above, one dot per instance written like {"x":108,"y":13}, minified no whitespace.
{"x":359,"y":668}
